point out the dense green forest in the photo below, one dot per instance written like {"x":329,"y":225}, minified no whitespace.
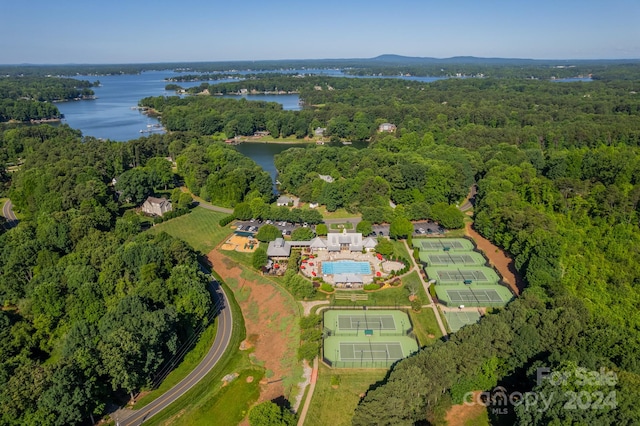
{"x":468,"y":113}
{"x":93,"y":307}
{"x":30,"y":98}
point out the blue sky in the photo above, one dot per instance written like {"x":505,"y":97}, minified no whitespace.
{"x":136,"y":31}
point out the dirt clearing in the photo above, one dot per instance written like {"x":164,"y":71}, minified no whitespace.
{"x":499,"y":259}
{"x":271,"y":323}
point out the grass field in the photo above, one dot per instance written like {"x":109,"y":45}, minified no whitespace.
{"x":199,"y":228}
{"x":393,"y":296}
{"x":242,"y":258}
{"x":335,"y":407}
{"x":345,"y":225}
{"x":425,"y":324}
{"x":338,"y":214}
{"x":229,"y":406}
{"x":399,"y":249}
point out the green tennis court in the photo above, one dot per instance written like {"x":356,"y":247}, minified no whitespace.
{"x":462,"y":275}
{"x":355,"y":351}
{"x":371,"y":322}
{"x":385,"y":322}
{"x":366,"y":352}
{"x":493,"y":295}
{"x":459,"y":319}
{"x":442,"y":244}
{"x":452,"y":258}
{"x":366,"y":338}
{"x":479,"y":295}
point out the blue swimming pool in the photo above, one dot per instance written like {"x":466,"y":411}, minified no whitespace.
{"x":346,"y":267}
{"x":245,"y":234}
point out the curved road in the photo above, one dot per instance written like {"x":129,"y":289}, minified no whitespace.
{"x":223,"y":336}
{"x":7,"y":212}
{"x":470,"y":201}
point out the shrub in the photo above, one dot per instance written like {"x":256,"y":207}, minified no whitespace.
{"x":416,"y":304}
{"x":311,"y":335}
{"x":226,"y":220}
{"x":269,"y":414}
{"x":310,"y":321}
{"x":259,"y":258}
{"x":372,"y":286}
{"x":327,"y":288}
{"x":308,"y":351}
{"x":432,"y":292}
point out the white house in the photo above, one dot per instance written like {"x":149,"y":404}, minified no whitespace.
{"x":156,"y":206}
{"x":283,"y":200}
{"x":387,"y":127}
{"x":326,"y":178}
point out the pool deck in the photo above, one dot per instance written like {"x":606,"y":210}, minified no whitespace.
{"x":313,"y":267}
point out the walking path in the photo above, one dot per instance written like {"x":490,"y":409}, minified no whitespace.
{"x":307,"y":373}
{"x":202,"y":203}
{"x":308,"y":306}
{"x":425,"y":285}
{"x":307,"y":402}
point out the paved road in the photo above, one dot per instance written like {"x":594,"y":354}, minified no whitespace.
{"x":223,"y":336}
{"x":7,"y":212}
{"x":470,"y":201}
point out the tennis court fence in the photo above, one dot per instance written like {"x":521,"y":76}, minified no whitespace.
{"x":359,"y":364}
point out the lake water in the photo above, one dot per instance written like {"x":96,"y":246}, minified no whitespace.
{"x":113,"y":114}
{"x":263,"y":153}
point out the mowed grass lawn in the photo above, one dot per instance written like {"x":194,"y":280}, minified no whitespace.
{"x":425,"y":325}
{"x":335,"y":407}
{"x":199,"y":228}
{"x":391,"y":296}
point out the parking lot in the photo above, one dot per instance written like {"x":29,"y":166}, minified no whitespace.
{"x":419,"y":228}
{"x":254,"y":225}
{"x":380,"y":230}
{"x":427,"y":228}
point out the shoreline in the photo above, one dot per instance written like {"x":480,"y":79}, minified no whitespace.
{"x":301,"y":141}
